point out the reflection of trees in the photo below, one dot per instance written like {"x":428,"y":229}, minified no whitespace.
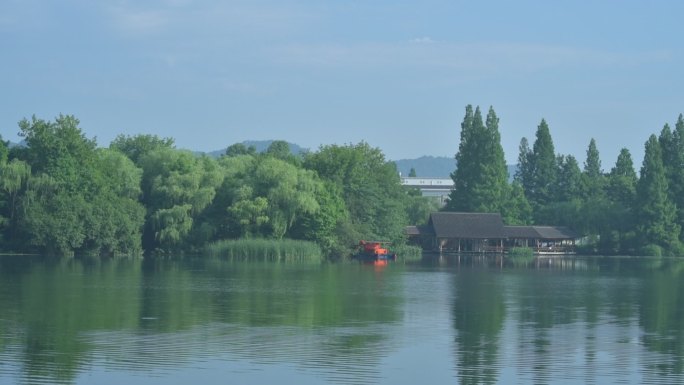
{"x":558,"y":315}
{"x":661,"y":315}
{"x":54,"y":302}
{"x":63,"y":317}
{"x":303,"y":295}
{"x":169,"y":299}
{"x":137,"y":315}
{"x":478,"y":315}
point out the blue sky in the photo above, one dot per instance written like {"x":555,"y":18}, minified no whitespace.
{"x":397,"y":74}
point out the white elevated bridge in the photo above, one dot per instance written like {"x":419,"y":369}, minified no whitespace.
{"x":439,"y":188}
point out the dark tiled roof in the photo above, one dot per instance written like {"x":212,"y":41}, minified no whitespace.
{"x":412,"y":230}
{"x":467,"y":225}
{"x":520,"y":232}
{"x":540,"y":232}
{"x":554,"y":232}
{"x":418,"y":230}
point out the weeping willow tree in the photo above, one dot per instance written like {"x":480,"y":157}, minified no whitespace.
{"x":177,"y":186}
{"x":14,"y":177}
{"x":264,"y":196}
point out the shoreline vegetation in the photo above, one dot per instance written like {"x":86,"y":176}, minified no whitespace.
{"x":407,"y":253}
{"x":61,"y":194}
{"x":284,"y":250}
{"x":521,"y":252}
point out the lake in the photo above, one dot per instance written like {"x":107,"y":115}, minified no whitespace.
{"x":440,"y":321}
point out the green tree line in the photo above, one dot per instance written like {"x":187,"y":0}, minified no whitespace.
{"x":61,"y":194}
{"x":618,"y":211}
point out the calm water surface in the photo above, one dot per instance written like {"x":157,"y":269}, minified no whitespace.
{"x":469,"y":320}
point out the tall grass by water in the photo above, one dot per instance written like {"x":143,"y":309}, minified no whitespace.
{"x":521,"y":256}
{"x":521,"y":252}
{"x":283,"y":250}
{"x":408,"y":252}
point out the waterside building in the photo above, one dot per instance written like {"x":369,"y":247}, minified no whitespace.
{"x":448,"y":232}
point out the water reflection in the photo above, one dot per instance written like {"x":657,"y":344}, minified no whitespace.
{"x":595,"y":320}
{"x":481,"y":320}
{"x":61,"y":315}
{"x":478,"y":315}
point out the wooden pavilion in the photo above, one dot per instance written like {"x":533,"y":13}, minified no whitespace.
{"x":456,"y":232}
{"x":542,"y":239}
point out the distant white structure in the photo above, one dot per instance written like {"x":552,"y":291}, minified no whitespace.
{"x":439,"y":188}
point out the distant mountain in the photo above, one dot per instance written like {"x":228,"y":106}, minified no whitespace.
{"x":427,"y":166}
{"x":11,"y":144}
{"x":436,"y":167}
{"x":261,"y":146}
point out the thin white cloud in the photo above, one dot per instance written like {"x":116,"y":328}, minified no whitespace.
{"x":421,"y":40}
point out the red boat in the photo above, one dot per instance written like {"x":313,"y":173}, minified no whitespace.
{"x":374,"y":252}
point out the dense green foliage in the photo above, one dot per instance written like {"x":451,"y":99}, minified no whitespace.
{"x":480,"y":180}
{"x":373,"y":201}
{"x":617,"y":212}
{"x":656,"y":213}
{"x":62,"y":195}
{"x":540,"y":187}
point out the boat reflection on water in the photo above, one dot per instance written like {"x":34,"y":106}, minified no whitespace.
{"x":375,"y":253}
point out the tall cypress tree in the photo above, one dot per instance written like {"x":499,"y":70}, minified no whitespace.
{"x":480,"y":178}
{"x":677,"y":186}
{"x":593,"y":180}
{"x":457,"y":200}
{"x":656,"y":215}
{"x":622,"y":180}
{"x":544,"y":169}
{"x":672,"y":145}
{"x":495,"y":179}
{"x":618,"y":235}
{"x":569,"y":179}
{"x":517,"y":210}
{"x":523,"y":174}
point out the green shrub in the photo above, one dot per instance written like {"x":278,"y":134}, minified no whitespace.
{"x":521,"y":256}
{"x":677,"y":249}
{"x":586,"y":249}
{"x":651,"y":251}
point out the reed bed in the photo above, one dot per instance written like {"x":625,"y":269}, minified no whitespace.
{"x":408,"y":252}
{"x":273,"y":250}
{"x":521,"y":256}
{"x":521,"y":252}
